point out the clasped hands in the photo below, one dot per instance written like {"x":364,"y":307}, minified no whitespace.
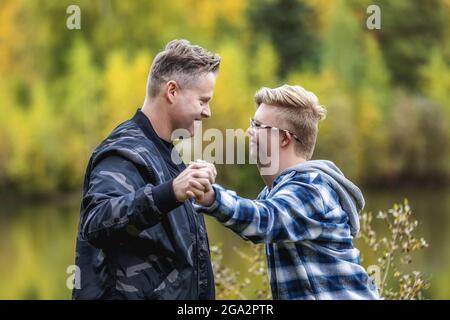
{"x":196,"y":182}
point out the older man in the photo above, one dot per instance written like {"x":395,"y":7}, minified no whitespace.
{"x":138,"y":236}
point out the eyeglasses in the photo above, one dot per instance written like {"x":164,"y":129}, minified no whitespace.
{"x":256,"y":125}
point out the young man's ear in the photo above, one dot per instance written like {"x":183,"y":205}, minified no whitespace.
{"x":171,"y":91}
{"x":286,"y":137}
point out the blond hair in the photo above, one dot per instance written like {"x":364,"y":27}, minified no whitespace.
{"x":300,"y":113}
{"x":180,"y":61}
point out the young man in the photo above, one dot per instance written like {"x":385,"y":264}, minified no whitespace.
{"x":307,"y":215}
{"x":138,"y":236}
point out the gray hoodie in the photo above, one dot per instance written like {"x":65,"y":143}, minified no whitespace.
{"x":350,"y":196}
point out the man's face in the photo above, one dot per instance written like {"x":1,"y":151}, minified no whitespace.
{"x":192,"y":104}
{"x":263,"y":140}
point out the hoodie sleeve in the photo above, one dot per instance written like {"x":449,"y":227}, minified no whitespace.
{"x":118,"y":201}
{"x":293,"y":213}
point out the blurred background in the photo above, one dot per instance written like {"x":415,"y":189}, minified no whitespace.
{"x":62,"y":91}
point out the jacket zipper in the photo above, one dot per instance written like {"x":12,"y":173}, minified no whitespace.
{"x":195,"y":253}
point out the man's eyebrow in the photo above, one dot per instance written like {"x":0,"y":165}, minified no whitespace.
{"x":205,"y":98}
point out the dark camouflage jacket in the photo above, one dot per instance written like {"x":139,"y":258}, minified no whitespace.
{"x":135,"y":241}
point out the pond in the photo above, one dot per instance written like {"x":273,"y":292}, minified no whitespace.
{"x":37,"y":241}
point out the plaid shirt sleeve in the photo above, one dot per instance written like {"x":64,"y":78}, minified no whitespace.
{"x":292,"y":213}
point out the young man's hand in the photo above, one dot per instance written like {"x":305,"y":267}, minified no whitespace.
{"x":207,"y":199}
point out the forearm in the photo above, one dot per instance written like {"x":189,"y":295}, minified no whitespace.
{"x":107,"y":219}
{"x":283,"y":217}
{"x":250,"y":219}
{"x":118,"y":198}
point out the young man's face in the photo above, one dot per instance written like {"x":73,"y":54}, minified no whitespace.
{"x":192,"y":103}
{"x":264,"y":142}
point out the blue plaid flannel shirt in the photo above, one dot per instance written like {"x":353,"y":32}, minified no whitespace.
{"x":310,"y":254}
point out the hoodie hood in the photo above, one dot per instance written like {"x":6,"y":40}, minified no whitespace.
{"x":350,"y":196}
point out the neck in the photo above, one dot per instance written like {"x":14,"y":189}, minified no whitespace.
{"x":284,"y":163}
{"x":157,"y":115}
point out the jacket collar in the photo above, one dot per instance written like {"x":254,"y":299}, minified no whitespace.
{"x":164,"y":147}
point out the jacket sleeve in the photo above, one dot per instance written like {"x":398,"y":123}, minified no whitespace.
{"x":118,"y":201}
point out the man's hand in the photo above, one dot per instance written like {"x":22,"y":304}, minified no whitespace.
{"x":209,"y":195}
{"x":195,"y":181}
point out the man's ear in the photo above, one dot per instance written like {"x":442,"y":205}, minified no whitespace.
{"x":286,"y":137}
{"x":171,"y":91}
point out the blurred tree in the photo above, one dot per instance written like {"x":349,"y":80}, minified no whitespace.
{"x":338,"y":132}
{"x":264,"y":66}
{"x":12,"y":41}
{"x":376,"y":76}
{"x":7,"y":113}
{"x":75,"y":86}
{"x":436,"y":79}
{"x":123,"y":86}
{"x":373,"y":112}
{"x":77,"y":111}
{"x":343,"y":47}
{"x":436,"y":85}
{"x":417,"y":139}
{"x":290,"y":25}
{"x":410,"y":28}
{"x":35,"y":163}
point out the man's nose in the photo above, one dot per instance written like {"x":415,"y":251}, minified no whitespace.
{"x":250,"y":131}
{"x":206,"y":112}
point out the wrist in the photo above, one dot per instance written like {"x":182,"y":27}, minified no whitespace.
{"x":179,"y":196}
{"x":209,"y":198}
{"x":164,"y":197}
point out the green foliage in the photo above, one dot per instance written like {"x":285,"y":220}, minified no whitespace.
{"x":291,"y":26}
{"x":426,"y":153}
{"x":342,"y":46}
{"x":410,"y":30}
{"x":62,"y":91}
{"x":387,"y":93}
